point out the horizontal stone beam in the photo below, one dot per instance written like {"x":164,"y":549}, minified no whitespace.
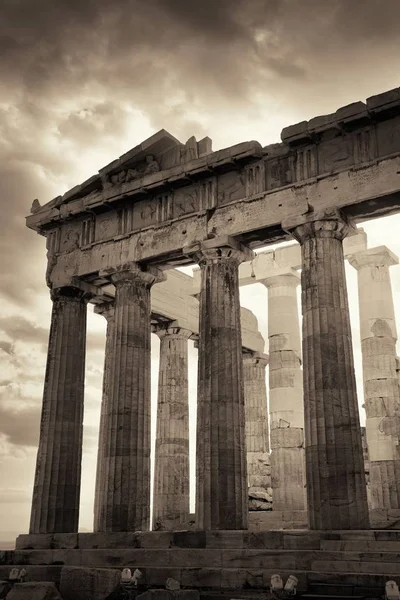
{"x":367,"y":192}
{"x":173,"y":300}
{"x":281,"y":261}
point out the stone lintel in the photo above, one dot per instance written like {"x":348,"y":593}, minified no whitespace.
{"x":95,"y":293}
{"x":373,"y":257}
{"x":171,"y":328}
{"x":105,"y":309}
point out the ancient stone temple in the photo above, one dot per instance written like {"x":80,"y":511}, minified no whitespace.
{"x":115,"y":241}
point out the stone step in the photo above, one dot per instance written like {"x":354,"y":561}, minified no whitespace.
{"x":371,"y":534}
{"x":296,"y":540}
{"x":331,"y":597}
{"x":361,"y":546}
{"x":169,"y":558}
{"x":341,"y":590}
{"x":353,"y":567}
{"x":199,"y":557}
{"x":368,"y":555}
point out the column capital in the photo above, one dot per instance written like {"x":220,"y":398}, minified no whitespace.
{"x":283,"y":276}
{"x":373,"y":257}
{"x":327,"y":223}
{"x":106,"y":309}
{"x":172,"y":329}
{"x":70,"y":292}
{"x":132,"y":271}
{"x":257,"y":359}
{"x":218,"y":249}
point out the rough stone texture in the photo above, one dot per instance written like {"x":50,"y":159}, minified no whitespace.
{"x":221,"y":473}
{"x":277,"y":519}
{"x":125,"y":504}
{"x":285,"y":393}
{"x":171,"y":474}
{"x":106,"y":309}
{"x":158,"y":594}
{"x":55,"y":504}
{"x":257,"y":442}
{"x":35,"y":590}
{"x":381,"y":385}
{"x":79,"y":583}
{"x":336,"y":490}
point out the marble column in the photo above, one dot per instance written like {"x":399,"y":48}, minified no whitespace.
{"x":171,"y":472}
{"x":56,"y":492}
{"x":381,"y":385}
{"x":221,"y":473}
{"x":286,"y":393}
{"x":125,"y":502}
{"x":336,"y":490}
{"x":107,"y":310}
{"x":256,"y":418}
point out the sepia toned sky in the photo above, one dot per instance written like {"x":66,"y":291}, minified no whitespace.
{"x":83,"y":82}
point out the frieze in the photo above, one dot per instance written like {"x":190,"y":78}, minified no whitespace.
{"x":231,"y":187}
{"x":130,"y":174}
{"x":186,"y":200}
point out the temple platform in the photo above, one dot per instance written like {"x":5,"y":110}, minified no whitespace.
{"x":209,"y":561}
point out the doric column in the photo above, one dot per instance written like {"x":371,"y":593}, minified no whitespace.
{"x":55,"y":504}
{"x":336,"y":490}
{"x":381,"y":386}
{"x":285,"y":393}
{"x":256,"y":418}
{"x":106,"y":309}
{"x":221,"y":473}
{"x":126,"y":498}
{"x":171,"y":474}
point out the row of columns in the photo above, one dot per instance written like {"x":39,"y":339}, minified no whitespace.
{"x":336,"y":492}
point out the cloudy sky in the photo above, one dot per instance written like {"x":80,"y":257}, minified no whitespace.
{"x":83,"y":82}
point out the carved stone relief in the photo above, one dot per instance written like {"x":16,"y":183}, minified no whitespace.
{"x":124,"y":176}
{"x":231,"y":187}
{"x":335,"y":153}
{"x":186,"y":200}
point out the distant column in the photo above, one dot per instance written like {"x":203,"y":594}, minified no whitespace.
{"x":256,"y":416}
{"x":286,"y":394}
{"x":221,"y":482}
{"x":126,"y":498}
{"x":107,"y":309}
{"x":336,"y":490}
{"x":56,"y":492}
{"x":171,"y":477}
{"x":381,"y":385}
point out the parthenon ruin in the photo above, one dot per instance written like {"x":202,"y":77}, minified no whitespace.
{"x":115,"y":241}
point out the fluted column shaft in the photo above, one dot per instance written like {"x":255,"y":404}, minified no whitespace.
{"x":256,"y":418}
{"x":221,"y":492}
{"x":286,"y":394}
{"x":381,"y":386}
{"x":336,"y":489}
{"x":126,"y":500}
{"x":107,"y":310}
{"x":56,"y":492}
{"x":171,"y":474}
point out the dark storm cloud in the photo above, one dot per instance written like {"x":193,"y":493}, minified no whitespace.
{"x":20,"y":329}
{"x":20,"y":426}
